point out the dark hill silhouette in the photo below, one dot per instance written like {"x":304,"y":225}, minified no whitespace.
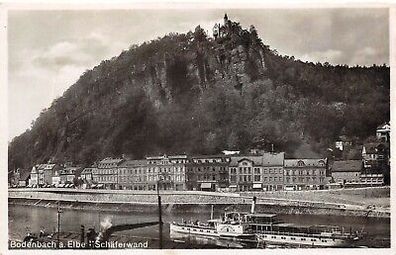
{"x":188,"y":93}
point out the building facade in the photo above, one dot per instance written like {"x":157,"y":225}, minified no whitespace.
{"x":69,"y":174}
{"x":41,"y":174}
{"x":132,"y":174}
{"x":167,"y":172}
{"x":346,"y":171}
{"x":256,"y":172}
{"x":106,"y":172}
{"x":383,"y":132}
{"x":86,"y":174}
{"x":207,"y":173}
{"x":303,"y":174}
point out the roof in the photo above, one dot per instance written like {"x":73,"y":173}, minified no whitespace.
{"x":45,"y":166}
{"x":227,"y":152}
{"x":262,"y":215}
{"x":347,"y":166}
{"x":167,"y":156}
{"x":384,"y":127}
{"x":24,"y":175}
{"x":132,"y":163}
{"x":318,"y":162}
{"x":372,"y":148}
{"x":75,"y":170}
{"x":257,"y":160}
{"x":209,"y":156}
{"x":87,"y":170}
{"x":111,"y":161}
{"x":267,"y":159}
{"x":273,"y":158}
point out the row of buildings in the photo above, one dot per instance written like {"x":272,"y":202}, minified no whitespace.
{"x":265,"y":171}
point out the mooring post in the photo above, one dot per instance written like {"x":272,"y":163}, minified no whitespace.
{"x":82,"y":237}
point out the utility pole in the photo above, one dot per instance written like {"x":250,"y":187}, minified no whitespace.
{"x":159,"y":215}
{"x":58,"y":212}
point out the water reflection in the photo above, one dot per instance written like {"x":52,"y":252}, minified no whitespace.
{"x":23,"y":219}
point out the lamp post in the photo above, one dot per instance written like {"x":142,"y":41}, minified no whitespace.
{"x":159,"y":215}
{"x":58,"y":212}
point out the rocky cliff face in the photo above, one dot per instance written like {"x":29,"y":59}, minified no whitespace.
{"x":188,"y":93}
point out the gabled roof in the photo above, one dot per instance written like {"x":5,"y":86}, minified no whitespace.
{"x":307,"y":162}
{"x":256,"y":160}
{"x":347,"y":166}
{"x":267,"y":159}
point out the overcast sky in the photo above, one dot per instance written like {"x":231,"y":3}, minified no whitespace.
{"x":49,"y":50}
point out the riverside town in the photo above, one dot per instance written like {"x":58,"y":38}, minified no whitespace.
{"x":256,"y":170}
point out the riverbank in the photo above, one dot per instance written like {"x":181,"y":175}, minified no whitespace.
{"x":342,"y":202}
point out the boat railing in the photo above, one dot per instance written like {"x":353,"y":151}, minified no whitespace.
{"x":193,"y":225}
{"x":302,"y":234}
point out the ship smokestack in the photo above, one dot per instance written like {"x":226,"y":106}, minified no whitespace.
{"x":253,"y":205}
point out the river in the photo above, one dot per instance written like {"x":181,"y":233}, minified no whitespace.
{"x":24,"y":219}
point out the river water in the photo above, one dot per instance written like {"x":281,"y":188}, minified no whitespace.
{"x":24,"y":219}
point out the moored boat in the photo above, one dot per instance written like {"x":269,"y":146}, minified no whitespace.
{"x":268,"y":229}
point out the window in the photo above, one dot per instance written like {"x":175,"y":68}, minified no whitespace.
{"x":300,"y":163}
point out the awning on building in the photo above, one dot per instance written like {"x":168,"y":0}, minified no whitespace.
{"x":232,"y":186}
{"x":206,"y":185}
{"x":257,"y":185}
{"x":93,"y":186}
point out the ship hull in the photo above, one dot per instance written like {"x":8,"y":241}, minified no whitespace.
{"x":289,"y":239}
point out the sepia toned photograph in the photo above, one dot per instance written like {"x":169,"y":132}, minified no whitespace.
{"x":198,"y":128}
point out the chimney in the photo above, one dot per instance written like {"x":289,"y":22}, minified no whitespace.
{"x":253,"y":205}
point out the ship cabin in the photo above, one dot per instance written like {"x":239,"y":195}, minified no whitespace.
{"x":262,"y":221}
{"x":292,"y":229}
{"x":250,"y":218}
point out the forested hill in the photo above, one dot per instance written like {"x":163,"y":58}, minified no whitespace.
{"x":191,"y":93}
